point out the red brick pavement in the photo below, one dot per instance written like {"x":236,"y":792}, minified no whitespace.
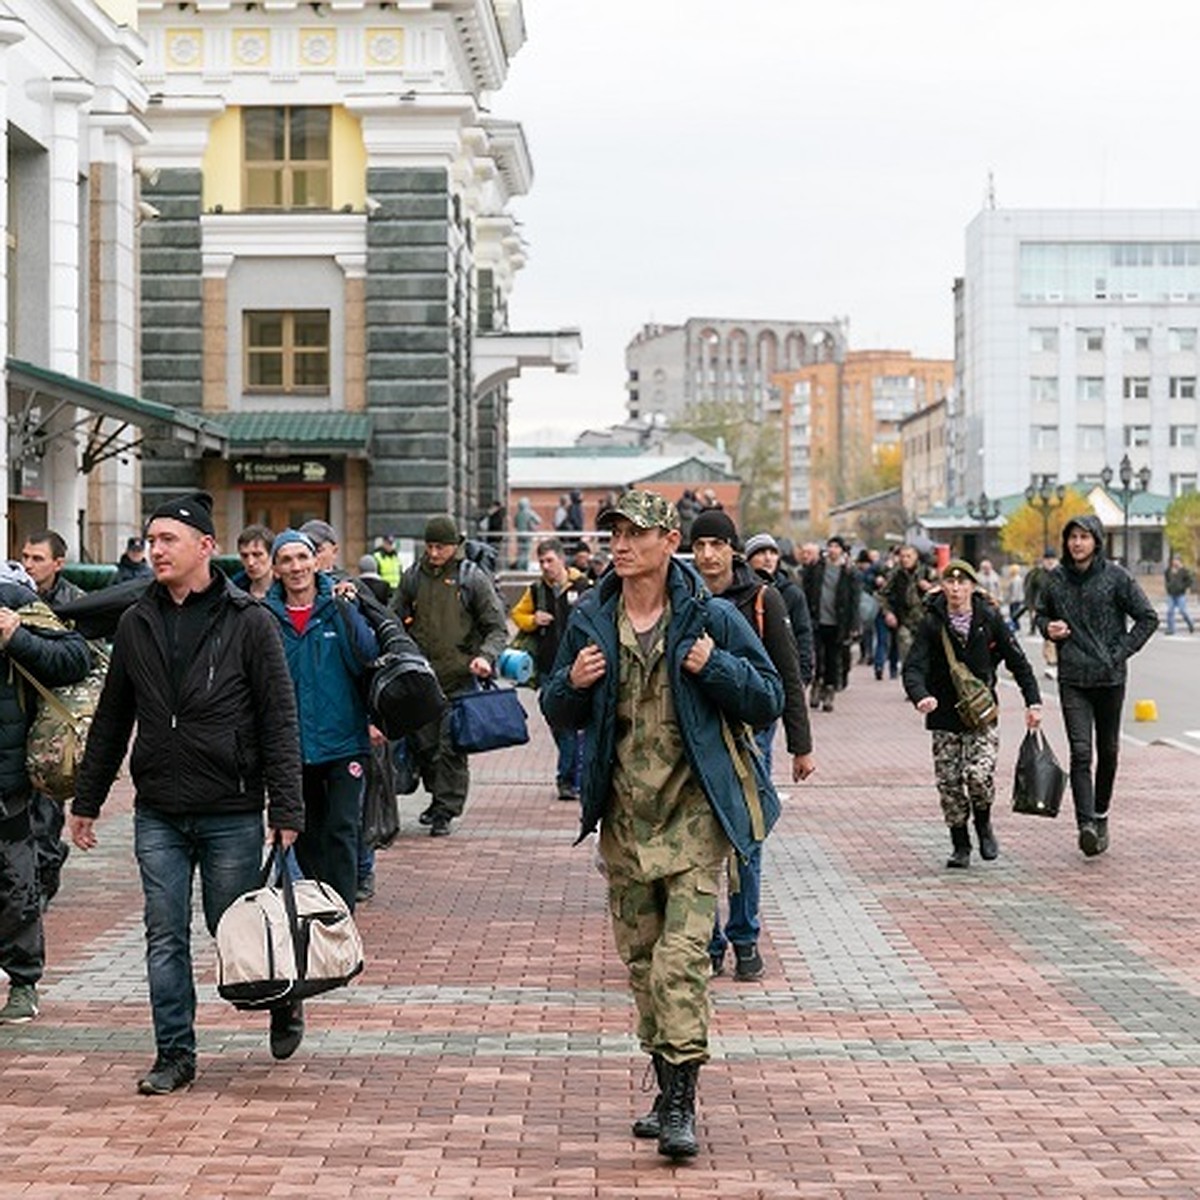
{"x":1026,"y":1028}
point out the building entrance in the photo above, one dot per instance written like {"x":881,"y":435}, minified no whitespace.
{"x":285,"y":508}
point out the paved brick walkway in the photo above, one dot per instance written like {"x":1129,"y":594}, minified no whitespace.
{"x":1030,"y":1027}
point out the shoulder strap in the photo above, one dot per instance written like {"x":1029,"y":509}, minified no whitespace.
{"x":46,"y":694}
{"x":745,"y":774}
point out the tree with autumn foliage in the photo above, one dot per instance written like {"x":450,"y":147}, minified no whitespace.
{"x":1022,"y":534}
{"x":1183,"y":527}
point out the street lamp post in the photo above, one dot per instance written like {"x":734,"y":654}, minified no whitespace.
{"x":1127,"y":493}
{"x":985,"y":511}
{"x":1045,"y":497}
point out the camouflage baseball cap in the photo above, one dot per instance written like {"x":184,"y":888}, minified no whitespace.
{"x":646,"y":510}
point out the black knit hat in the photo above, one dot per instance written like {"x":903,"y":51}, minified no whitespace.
{"x":194,"y":510}
{"x":715,"y":523}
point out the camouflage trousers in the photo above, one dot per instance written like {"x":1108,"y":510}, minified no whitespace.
{"x":964,"y":768}
{"x":22,"y":946}
{"x":662,"y":928}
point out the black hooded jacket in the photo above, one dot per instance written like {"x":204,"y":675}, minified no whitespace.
{"x":779,"y":642}
{"x":1109,"y":614}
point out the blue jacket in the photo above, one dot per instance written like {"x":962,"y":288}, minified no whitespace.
{"x":738,"y":680}
{"x":327,"y":669}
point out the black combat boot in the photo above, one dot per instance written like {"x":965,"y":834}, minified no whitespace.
{"x":648,"y":1126}
{"x":988,"y":846}
{"x":1101,"y":833}
{"x":960,"y":856}
{"x":677,"y":1135}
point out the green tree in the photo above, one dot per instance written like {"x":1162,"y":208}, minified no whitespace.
{"x":1183,"y":527}
{"x":755,"y":446}
{"x":1022,"y":534}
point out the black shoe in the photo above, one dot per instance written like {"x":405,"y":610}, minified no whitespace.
{"x":287,"y":1029}
{"x":169,"y":1073}
{"x":989,"y":848}
{"x":1089,"y":839}
{"x":567,"y":790}
{"x":426,"y":818}
{"x":366,"y":888}
{"x":815,"y":702}
{"x":878,"y":672}
{"x":439,"y":827}
{"x":1101,"y":834}
{"x":960,"y":855}
{"x":827,"y":700}
{"x":717,"y":958}
{"x":677,"y":1117}
{"x":650,"y":1125}
{"x":749,"y":966}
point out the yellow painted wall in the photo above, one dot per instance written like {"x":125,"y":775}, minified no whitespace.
{"x":222,"y":163}
{"x":123,"y":12}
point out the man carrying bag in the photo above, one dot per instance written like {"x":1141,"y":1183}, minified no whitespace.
{"x":199,"y":666}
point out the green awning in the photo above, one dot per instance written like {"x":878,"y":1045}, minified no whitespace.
{"x":293,"y":432}
{"x":42,"y":388}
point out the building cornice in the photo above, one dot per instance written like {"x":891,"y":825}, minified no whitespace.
{"x":229,"y":236}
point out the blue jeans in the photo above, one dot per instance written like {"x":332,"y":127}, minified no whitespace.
{"x":228,"y":848}
{"x":1178,"y":604}
{"x":570,"y":756}
{"x":743,"y":926}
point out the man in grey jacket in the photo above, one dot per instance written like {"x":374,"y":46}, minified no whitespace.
{"x":1097,"y":616}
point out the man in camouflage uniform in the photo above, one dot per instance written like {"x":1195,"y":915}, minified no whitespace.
{"x":903,"y":595}
{"x":664,"y":676}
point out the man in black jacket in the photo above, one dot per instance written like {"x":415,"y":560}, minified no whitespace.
{"x":1098,"y":617}
{"x":199,"y":665}
{"x":762,"y":553}
{"x":831,"y":588}
{"x":53,"y":658}
{"x":714,"y":536}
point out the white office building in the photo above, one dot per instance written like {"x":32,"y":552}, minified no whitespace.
{"x":1078,"y":346}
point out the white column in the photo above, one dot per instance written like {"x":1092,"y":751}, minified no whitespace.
{"x":11,"y":32}
{"x":64,"y":485}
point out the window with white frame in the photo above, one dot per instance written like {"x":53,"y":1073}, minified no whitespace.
{"x":1089,"y":389}
{"x":1044,"y":340}
{"x":1137,"y":341}
{"x":1089,"y":437}
{"x":1136,"y":387}
{"x":1181,"y":340}
{"x":1182,"y":387}
{"x":1089,"y":340}
{"x":1044,"y":437}
{"x":1183,"y":484}
{"x":1183,"y":437}
{"x":1137,"y":435}
{"x":1043,"y":389}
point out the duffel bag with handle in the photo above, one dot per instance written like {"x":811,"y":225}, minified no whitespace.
{"x":286,"y":940}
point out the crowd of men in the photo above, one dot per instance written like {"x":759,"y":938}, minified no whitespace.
{"x":662,"y":675}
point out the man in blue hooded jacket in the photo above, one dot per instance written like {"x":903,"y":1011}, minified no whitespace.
{"x":1098,"y":617}
{"x":665,"y":678}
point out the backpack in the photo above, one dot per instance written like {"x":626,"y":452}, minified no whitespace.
{"x":56,"y":739}
{"x":482,"y":554}
{"x":976,"y":706}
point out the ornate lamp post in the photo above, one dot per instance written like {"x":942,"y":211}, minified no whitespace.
{"x":985,"y":511}
{"x":1045,"y":497}
{"x":1126,"y":494}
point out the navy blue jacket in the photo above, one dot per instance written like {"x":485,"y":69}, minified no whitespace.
{"x":327,"y":668}
{"x":738,"y":681}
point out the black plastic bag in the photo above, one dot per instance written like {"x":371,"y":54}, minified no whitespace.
{"x":1039,"y":781}
{"x":381,"y":813}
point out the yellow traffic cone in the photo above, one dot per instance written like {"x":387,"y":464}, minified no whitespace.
{"x":1145,"y":710}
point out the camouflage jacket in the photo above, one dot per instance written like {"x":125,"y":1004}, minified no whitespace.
{"x":738,"y":683}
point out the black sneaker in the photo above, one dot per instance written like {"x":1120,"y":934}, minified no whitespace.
{"x":426,"y":818}
{"x":439,"y":827}
{"x":1089,"y":839}
{"x":169,"y":1073}
{"x":1101,"y":834}
{"x":717,"y":958}
{"x":287,"y":1029}
{"x":366,"y":888}
{"x":749,"y":965}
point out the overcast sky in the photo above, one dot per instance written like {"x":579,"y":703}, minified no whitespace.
{"x":795,"y":160}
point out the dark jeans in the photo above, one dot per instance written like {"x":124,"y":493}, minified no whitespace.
{"x":444,"y":771}
{"x":829,"y":657}
{"x":228,"y":848}
{"x":22,"y":943}
{"x":328,"y":848}
{"x":570,"y":756}
{"x":1085,"y":709}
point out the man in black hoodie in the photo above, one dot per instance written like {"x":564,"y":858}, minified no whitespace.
{"x":1097,"y":616}
{"x":727,"y":575}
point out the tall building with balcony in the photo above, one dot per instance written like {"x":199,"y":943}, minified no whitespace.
{"x":670,"y":368}
{"x":329,"y":273}
{"x":842,"y":424}
{"x":1079,"y":346}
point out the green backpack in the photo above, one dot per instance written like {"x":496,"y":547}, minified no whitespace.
{"x":56,"y":739}
{"x":976,"y":706}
